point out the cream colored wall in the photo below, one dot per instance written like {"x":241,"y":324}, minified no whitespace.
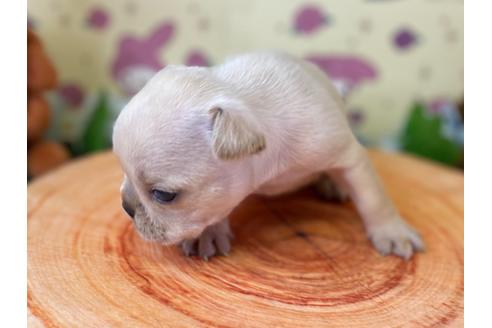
{"x":361,"y":28}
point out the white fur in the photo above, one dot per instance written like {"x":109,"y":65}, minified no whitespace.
{"x":170,"y":134}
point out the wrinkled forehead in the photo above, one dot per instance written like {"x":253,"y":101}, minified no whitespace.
{"x":170,"y":161}
{"x":150,"y":128}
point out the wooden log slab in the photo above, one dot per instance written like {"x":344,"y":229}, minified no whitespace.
{"x":296,"y":261}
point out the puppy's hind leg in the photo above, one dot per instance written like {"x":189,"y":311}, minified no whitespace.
{"x":387,"y":230}
{"x":328,"y":188}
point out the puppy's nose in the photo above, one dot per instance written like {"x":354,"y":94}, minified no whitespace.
{"x":128,"y":209}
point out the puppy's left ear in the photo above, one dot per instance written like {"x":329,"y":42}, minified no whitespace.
{"x":235,"y":133}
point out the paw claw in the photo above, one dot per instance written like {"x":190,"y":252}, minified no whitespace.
{"x":188,"y":247}
{"x":383,"y":246}
{"x":403,"y":249}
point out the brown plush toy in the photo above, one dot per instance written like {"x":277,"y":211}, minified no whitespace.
{"x":42,"y":155}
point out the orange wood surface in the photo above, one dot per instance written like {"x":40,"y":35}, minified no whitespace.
{"x":296,"y":261}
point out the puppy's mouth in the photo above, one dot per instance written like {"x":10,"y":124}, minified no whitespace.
{"x":155,"y":232}
{"x":149,"y":230}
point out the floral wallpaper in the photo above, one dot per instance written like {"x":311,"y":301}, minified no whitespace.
{"x":386,"y":55}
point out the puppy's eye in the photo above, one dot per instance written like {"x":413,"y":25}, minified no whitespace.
{"x":163,"y":197}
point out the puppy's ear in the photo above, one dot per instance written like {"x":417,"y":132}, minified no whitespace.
{"x":234,"y":134}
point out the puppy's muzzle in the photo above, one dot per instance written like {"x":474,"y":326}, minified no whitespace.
{"x":128,"y":209}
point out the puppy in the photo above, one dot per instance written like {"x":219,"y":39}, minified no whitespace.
{"x":194,"y":142}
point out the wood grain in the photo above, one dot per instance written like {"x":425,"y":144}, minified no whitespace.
{"x":296,"y":261}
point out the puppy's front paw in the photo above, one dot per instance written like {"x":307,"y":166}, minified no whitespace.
{"x":396,"y":237}
{"x":214,"y":240}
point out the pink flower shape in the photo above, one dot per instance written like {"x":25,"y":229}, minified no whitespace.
{"x":72,"y":94}
{"x":98,"y":18}
{"x":309,"y":19}
{"x":350,"y":69}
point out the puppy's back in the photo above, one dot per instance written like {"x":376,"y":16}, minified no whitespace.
{"x":273,"y":79}
{"x":293,"y":100}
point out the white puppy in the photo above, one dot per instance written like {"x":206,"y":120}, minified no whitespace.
{"x":194,"y":142}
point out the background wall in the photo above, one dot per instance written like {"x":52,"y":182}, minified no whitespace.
{"x":390,"y":54}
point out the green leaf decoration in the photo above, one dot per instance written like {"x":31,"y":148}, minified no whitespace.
{"x":422,"y":136}
{"x":95,"y":137}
